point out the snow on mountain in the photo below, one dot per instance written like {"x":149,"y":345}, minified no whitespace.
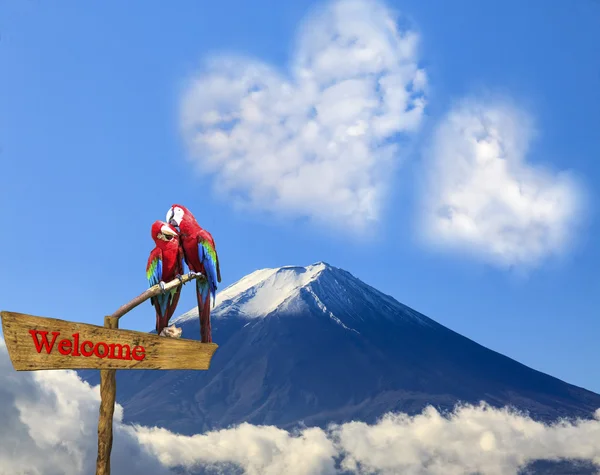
{"x":261,"y":292}
{"x":265,"y":291}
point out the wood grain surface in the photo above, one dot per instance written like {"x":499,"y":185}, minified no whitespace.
{"x":108,"y":394}
{"x":159,"y":352}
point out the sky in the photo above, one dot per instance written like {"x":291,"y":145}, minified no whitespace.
{"x":444,"y":152}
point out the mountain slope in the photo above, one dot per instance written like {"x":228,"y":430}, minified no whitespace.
{"x":315,"y":345}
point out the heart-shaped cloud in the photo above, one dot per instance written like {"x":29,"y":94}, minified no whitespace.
{"x":322,"y":142}
{"x":483,"y":196}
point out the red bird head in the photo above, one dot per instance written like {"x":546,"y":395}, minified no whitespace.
{"x":178,"y":214}
{"x":163,"y":233}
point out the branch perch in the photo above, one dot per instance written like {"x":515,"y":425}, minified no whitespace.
{"x":153,"y":291}
{"x":108,"y":383}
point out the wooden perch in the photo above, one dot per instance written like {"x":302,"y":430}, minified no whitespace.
{"x":153,"y":291}
{"x":107,"y":376}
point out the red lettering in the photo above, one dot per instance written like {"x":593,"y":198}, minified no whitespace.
{"x":85,"y":352}
{"x":71,"y":347}
{"x":44,"y":342}
{"x":64,"y":347}
{"x":141,"y":350}
{"x":114,"y":346}
{"x":76,"y":344}
{"x":97,"y":352}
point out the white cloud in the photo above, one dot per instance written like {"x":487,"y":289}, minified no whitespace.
{"x":260,"y":450}
{"x":317,"y":143}
{"x":472,"y":440}
{"x":481,"y":195}
{"x":48,"y":424}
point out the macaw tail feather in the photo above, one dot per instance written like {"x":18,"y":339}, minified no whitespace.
{"x":165,"y":306}
{"x":213,"y":292}
{"x":173,"y":301}
{"x":159,"y":318}
{"x":203,"y":293}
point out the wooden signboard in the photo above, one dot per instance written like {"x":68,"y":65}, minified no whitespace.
{"x":36,"y":343}
{"x":39,"y":343}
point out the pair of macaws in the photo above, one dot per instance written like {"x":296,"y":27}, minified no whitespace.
{"x":181,"y":238}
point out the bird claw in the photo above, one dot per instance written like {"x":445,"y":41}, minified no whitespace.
{"x":180,"y":278}
{"x":194,"y":274}
{"x":171,"y":332}
{"x":161,"y":284}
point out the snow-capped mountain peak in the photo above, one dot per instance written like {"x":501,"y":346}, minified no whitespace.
{"x":316,"y":345}
{"x":337,"y":294}
{"x":263,"y":291}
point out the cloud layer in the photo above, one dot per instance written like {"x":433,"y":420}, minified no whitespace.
{"x":321,"y":142}
{"x":48,"y":425}
{"x":481,"y":195}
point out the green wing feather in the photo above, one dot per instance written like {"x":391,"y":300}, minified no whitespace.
{"x":154,"y":276}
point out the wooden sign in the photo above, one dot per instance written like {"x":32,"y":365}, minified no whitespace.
{"x":37,"y":343}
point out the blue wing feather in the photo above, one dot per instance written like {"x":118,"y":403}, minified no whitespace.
{"x":207,"y":255}
{"x":154,"y":275}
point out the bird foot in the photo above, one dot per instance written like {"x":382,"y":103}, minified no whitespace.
{"x":161,"y":284}
{"x":194,"y":274}
{"x":171,"y":332}
{"x":180,"y":277}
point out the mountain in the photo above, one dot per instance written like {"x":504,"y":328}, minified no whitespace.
{"x":315,"y":345}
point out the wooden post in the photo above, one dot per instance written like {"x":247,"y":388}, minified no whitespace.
{"x":108,"y":380}
{"x":108,"y":392}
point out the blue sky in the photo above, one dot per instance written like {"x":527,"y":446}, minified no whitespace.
{"x":93,"y":110}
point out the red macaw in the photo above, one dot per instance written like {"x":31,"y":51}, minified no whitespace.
{"x":200,"y":255}
{"x":164,"y":264}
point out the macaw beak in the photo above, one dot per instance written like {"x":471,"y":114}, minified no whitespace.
{"x":168,"y":231}
{"x":171,"y":218}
